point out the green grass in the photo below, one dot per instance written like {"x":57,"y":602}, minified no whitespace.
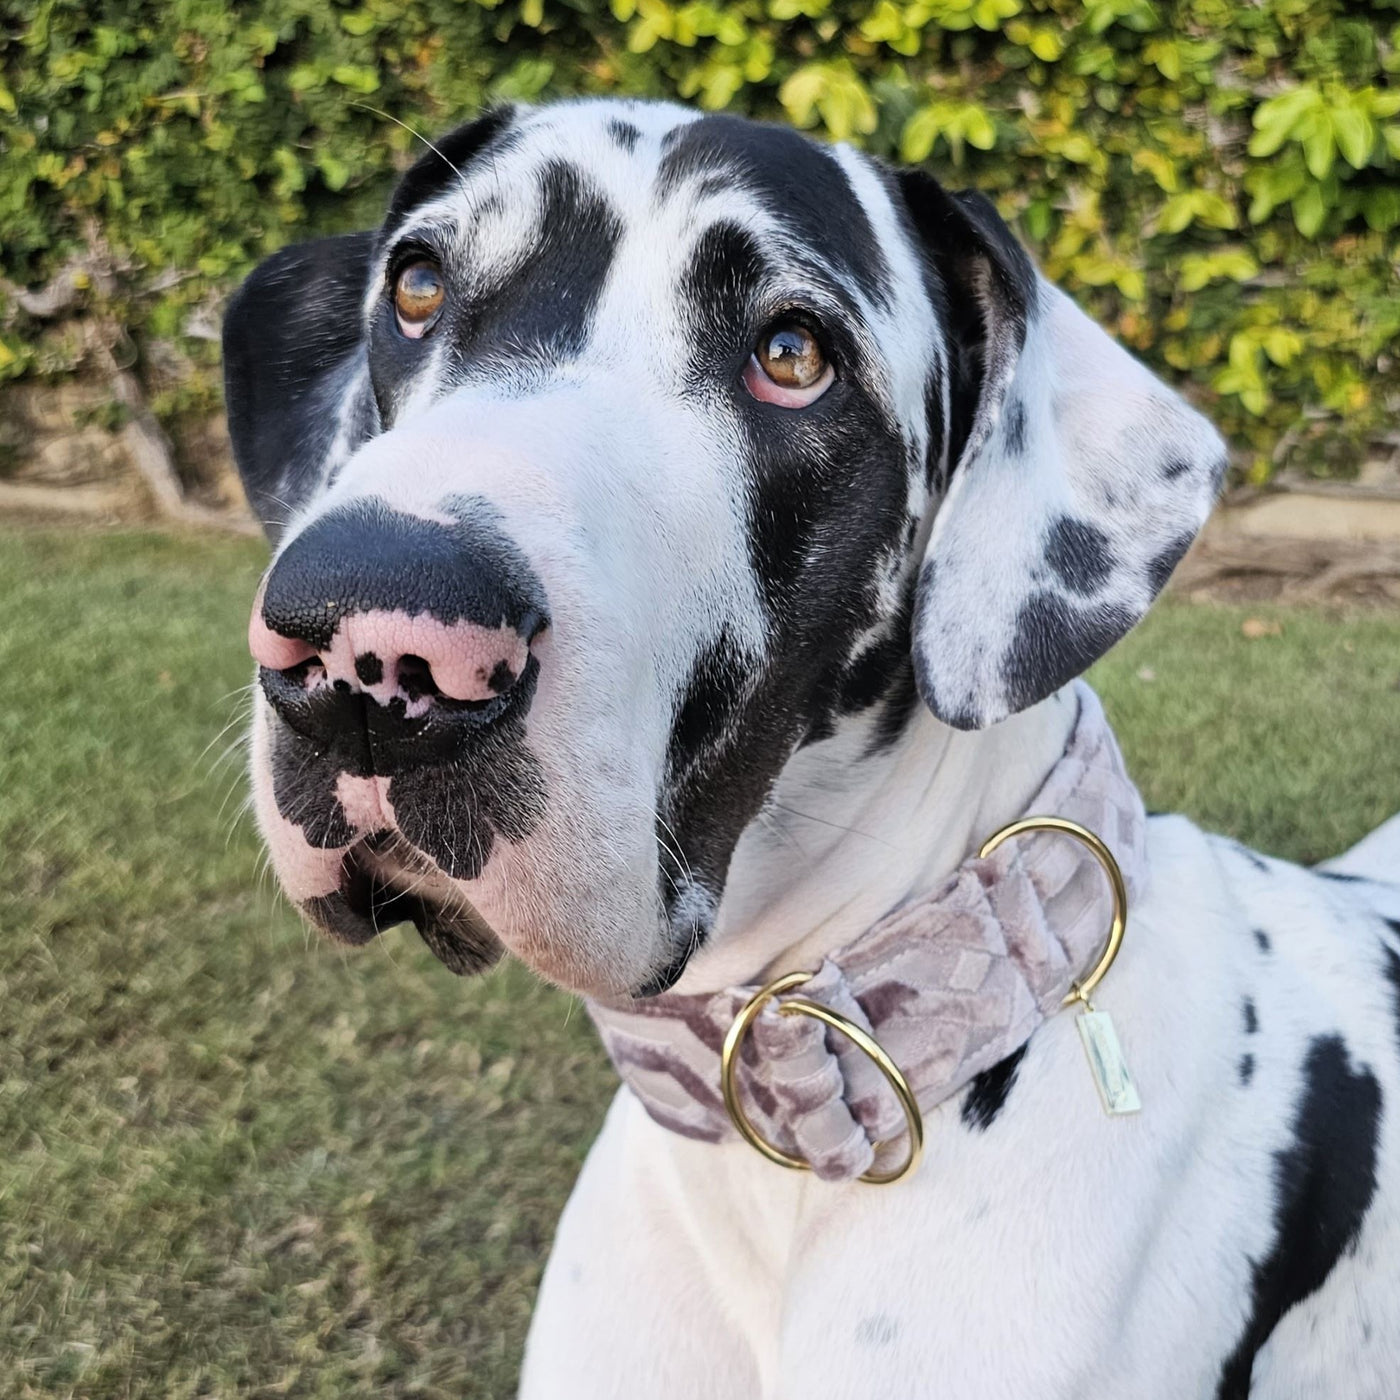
{"x":237,"y":1162}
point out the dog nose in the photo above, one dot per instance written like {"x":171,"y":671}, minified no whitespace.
{"x":421,"y":615}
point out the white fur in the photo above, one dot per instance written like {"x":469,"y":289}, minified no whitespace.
{"x":1061,"y":1253}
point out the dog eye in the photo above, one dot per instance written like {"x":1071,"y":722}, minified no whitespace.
{"x":418,"y":296}
{"x":788,"y":367}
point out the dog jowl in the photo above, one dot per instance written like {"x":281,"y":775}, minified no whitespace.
{"x":634,"y":454}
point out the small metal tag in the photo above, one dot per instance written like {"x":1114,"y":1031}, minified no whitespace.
{"x":1110,"y":1070}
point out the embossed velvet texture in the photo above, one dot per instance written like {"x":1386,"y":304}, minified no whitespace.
{"x":949,"y":984}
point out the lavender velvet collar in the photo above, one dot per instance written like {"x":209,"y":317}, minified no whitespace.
{"x":950,"y":985}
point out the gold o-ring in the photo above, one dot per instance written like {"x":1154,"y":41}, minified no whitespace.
{"x":1080,"y":990}
{"x":800,"y":1006}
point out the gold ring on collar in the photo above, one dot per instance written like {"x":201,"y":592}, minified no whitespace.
{"x":801,"y":1006}
{"x":1080,"y":990}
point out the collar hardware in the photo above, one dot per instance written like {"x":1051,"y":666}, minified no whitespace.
{"x":942,"y":987}
{"x":801,"y":1006}
{"x":1096,"y":1030}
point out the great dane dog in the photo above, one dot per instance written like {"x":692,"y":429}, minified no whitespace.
{"x":687,"y":537}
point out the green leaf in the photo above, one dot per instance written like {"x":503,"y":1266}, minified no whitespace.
{"x":1177,"y":213}
{"x":978,"y":128}
{"x":920,"y":132}
{"x":1355,"y":133}
{"x":1036,"y":219}
{"x":1381,"y":208}
{"x":334,"y":172}
{"x":1282,"y":345}
{"x":357,"y":77}
{"x":1310,"y":211}
{"x":1278,"y":119}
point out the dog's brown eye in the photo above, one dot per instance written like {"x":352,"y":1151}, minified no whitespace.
{"x":788,"y":367}
{"x":418,"y":296}
{"x":791,"y":357}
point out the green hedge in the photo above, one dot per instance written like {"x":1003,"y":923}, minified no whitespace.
{"x":1217,"y":180}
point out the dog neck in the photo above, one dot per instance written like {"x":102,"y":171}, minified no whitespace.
{"x":848,"y":835}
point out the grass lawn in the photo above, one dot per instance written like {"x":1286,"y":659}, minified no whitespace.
{"x":238,"y":1162}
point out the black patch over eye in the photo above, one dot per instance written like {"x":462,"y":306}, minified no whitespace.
{"x":419,"y":293}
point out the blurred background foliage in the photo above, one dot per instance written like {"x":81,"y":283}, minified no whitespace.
{"x":1218,"y":181}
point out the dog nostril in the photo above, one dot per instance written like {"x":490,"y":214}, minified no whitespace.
{"x":306,"y":673}
{"x":501,"y":678}
{"x":416,"y":677}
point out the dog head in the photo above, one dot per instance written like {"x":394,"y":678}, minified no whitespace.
{"x":635,"y":452}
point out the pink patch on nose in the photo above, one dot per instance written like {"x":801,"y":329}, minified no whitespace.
{"x":272,"y":649}
{"x":467,"y":661}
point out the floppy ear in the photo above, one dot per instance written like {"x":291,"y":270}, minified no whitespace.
{"x":1078,"y":479}
{"x":296,"y":379}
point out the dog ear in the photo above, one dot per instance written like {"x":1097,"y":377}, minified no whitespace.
{"x":296,"y":378}
{"x":1077,"y":481}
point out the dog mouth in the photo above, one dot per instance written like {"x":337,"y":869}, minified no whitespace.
{"x":384,"y":881}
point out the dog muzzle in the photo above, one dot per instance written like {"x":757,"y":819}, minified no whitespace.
{"x":831,"y":1070}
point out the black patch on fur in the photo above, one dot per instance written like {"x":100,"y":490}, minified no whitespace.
{"x":827,"y":492}
{"x":304,"y":778}
{"x":827,"y":507}
{"x":792,"y":178}
{"x":883,"y":674}
{"x":718,"y":681}
{"x":935,"y":466}
{"x":865,"y":680}
{"x":1013,"y":430}
{"x":718,"y":292}
{"x":454,"y":812}
{"x":1175,"y":468}
{"x":1251,"y":1016}
{"x":901,"y":702}
{"x":1055,"y":642}
{"x":436,"y":172}
{"x":624,"y":133}
{"x":293,"y":342}
{"x":1079,"y":554}
{"x":1342,"y":877}
{"x":986,"y":1094}
{"x":369,"y":668}
{"x":1246,"y":1068}
{"x":544,"y":308}
{"x":1263,"y":940}
{"x":827,"y":486}
{"x":980,"y":281}
{"x":1323,"y":1182}
{"x":367,"y":556}
{"x":1160,"y":569}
